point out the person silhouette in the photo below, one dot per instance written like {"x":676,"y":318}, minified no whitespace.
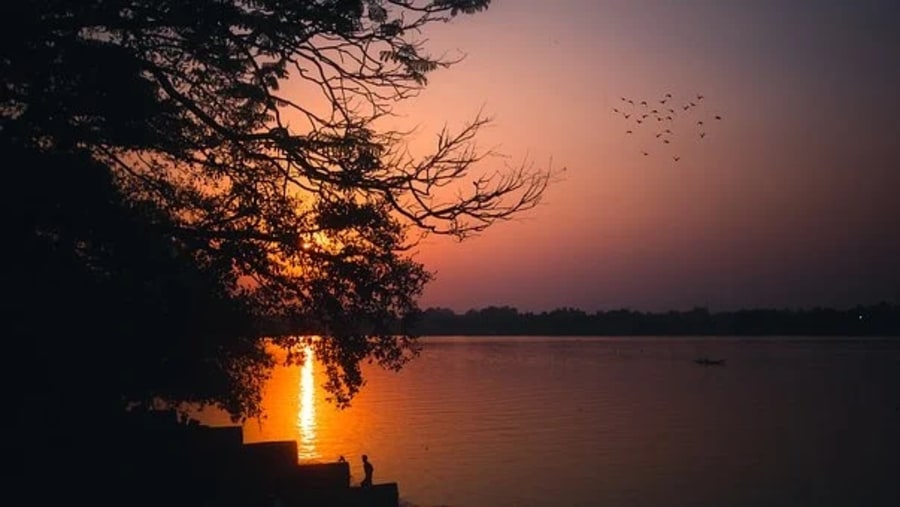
{"x":368,"y":469}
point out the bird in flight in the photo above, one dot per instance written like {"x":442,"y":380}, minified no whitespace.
{"x":687,"y":115}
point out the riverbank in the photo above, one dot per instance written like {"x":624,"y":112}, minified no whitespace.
{"x":213,"y":466}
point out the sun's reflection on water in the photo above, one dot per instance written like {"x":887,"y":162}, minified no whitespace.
{"x":306,"y":418}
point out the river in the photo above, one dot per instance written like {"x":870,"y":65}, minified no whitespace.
{"x":631,"y":422}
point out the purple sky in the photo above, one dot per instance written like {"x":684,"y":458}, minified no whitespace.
{"x":788,"y":201}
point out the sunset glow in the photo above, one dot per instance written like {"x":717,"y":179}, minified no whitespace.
{"x":741,"y":213}
{"x":784,"y":203}
{"x":480,"y":253}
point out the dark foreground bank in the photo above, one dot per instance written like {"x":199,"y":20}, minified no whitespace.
{"x":160,"y":460}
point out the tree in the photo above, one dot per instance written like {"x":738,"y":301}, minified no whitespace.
{"x":281,"y":216}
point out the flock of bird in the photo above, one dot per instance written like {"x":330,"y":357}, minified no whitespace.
{"x":662,"y":122}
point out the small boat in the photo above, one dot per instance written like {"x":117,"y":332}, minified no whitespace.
{"x":705,"y":361}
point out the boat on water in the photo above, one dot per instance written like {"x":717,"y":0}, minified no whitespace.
{"x":706,"y":361}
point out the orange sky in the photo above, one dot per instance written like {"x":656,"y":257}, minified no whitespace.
{"x":788,"y":201}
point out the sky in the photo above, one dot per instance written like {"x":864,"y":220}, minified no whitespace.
{"x":788,"y":201}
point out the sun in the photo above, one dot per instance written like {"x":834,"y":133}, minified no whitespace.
{"x":317,"y":240}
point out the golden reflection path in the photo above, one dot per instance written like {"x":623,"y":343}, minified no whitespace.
{"x":306,"y":417}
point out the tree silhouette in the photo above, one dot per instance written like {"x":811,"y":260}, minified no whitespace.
{"x":880,"y":320}
{"x":188,"y":206}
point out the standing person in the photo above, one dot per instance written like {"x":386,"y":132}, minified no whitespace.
{"x":368,"y":469}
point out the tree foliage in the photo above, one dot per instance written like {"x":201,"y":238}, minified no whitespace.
{"x":177,"y":204}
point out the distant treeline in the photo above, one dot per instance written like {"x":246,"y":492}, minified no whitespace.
{"x":878,"y":320}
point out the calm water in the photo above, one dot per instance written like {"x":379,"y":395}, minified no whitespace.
{"x":614,"y":422}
